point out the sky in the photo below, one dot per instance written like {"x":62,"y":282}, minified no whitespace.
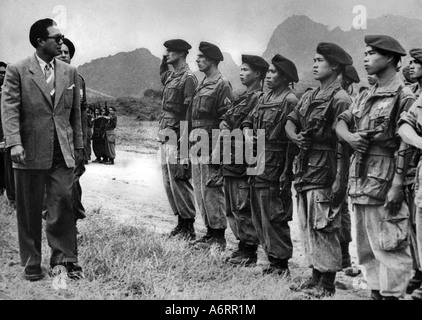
{"x":100,"y":28}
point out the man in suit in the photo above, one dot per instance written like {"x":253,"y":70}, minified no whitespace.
{"x":41,"y":119}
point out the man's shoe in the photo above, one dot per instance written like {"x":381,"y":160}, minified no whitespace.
{"x":375,"y":295}
{"x":390,"y":298}
{"x":214,"y":237}
{"x":242,"y":259}
{"x":272,"y":269}
{"x":188,"y":230}
{"x":33,"y":273}
{"x":98,"y":160}
{"x":74,"y":271}
{"x":310,"y":283}
{"x":320,"y":292}
{"x":417,"y":294}
{"x":180,"y":224}
{"x":415,"y":282}
{"x":352,"y":271}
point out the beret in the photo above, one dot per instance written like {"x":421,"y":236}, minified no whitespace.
{"x":385,"y":43}
{"x":177,"y":44}
{"x":255,"y":62}
{"x":211,"y":51}
{"x":334,"y":52}
{"x":286,"y":67}
{"x":351,"y":73}
{"x":71,"y":47}
{"x":416,"y":53}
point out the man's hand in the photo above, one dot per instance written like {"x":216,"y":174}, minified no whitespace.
{"x":79,"y":155}
{"x":283,"y":182}
{"x":358,"y":141}
{"x":17,"y":153}
{"x":394,"y":198}
{"x":302,"y":141}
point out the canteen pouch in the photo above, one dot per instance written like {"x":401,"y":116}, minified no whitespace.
{"x":394,"y":229}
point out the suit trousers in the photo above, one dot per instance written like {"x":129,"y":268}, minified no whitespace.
{"x":9,"y":176}
{"x":60,"y":222}
{"x":78,"y":208}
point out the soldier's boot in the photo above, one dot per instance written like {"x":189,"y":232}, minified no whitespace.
{"x":279,"y":267}
{"x":246,"y":255}
{"x":218,"y":239}
{"x":417,"y":294}
{"x":179,"y":226}
{"x":375,"y":295}
{"x":311,"y":283}
{"x":188,"y":230}
{"x":326,"y":287}
{"x":201,"y":242}
{"x":415,"y":282}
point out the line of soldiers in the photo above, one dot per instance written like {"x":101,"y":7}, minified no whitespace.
{"x":334,"y":147}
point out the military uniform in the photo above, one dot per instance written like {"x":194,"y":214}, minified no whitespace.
{"x":413,"y":117}
{"x":179,"y":87}
{"x":210,"y":101}
{"x":381,"y":236}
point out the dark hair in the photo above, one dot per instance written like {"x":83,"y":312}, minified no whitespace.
{"x":3,"y":64}
{"x":396,"y":57}
{"x":71,"y":47}
{"x":332,"y":62}
{"x":39,"y":30}
{"x":262,"y":72}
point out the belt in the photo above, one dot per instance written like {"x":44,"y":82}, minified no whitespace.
{"x":170,"y":115}
{"x":380,"y":151}
{"x":322,"y":146}
{"x":203,"y":122}
{"x":275,"y":146}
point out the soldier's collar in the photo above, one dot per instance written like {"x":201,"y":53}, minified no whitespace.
{"x":390,"y":88}
{"x":327,"y":92}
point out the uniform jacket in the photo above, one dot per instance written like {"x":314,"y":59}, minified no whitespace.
{"x":233,"y":119}
{"x":321,"y":159}
{"x":30,"y":118}
{"x":270,"y":114}
{"x":372,"y":110}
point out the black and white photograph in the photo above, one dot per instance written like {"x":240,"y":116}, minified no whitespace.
{"x":227,"y":152}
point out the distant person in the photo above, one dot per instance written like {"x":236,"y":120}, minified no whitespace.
{"x":210,"y":101}
{"x":66,"y":55}
{"x":41,"y":119}
{"x":179,"y":86}
{"x":110,"y":143}
{"x":236,"y":186}
{"x":88,"y":148}
{"x":99,"y":135}
{"x":2,"y":143}
{"x":415,"y":70}
{"x":408,"y":80}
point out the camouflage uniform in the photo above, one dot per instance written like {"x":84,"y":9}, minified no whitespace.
{"x":177,"y":94}
{"x":319,"y":219}
{"x":236,"y":186}
{"x":210,"y":101}
{"x":381,"y":237}
{"x":271,"y":211}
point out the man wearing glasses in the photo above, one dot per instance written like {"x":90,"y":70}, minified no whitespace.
{"x":41,"y":119}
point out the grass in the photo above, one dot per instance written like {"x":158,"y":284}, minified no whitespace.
{"x":127,"y":262}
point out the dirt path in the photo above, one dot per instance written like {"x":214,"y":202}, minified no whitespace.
{"x":132,"y":191}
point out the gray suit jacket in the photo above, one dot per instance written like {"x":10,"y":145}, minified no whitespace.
{"x":29,"y":116}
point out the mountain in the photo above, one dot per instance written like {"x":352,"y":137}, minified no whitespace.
{"x":298,"y":36}
{"x":126,"y":74}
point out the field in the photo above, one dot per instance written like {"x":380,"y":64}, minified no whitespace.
{"x":126,"y":253}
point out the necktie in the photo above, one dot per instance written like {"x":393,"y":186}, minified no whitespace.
{"x":49,"y":76}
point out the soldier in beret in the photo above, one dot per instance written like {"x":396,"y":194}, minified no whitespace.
{"x":179,"y":86}
{"x":210,"y":101}
{"x":271,"y":196}
{"x":236,"y":186}
{"x":376,"y":175}
{"x":410,"y":121}
{"x":319,"y":178}
{"x":415,"y":70}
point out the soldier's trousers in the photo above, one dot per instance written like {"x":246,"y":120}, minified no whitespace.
{"x":417,"y":245}
{"x":414,"y":212}
{"x":209,"y":194}
{"x":270,"y":216}
{"x":179,"y":191}
{"x":238,"y":209}
{"x":388,"y":271}
{"x":319,"y":223}
{"x":60,"y":223}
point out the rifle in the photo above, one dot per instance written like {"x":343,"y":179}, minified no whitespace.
{"x":314,"y":126}
{"x":370,"y":134}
